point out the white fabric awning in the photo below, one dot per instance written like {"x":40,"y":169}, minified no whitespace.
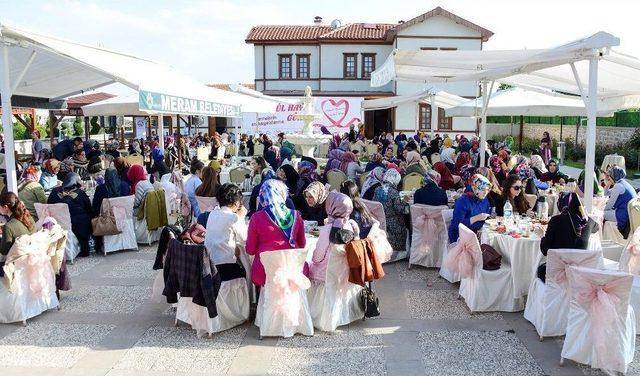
{"x":443,"y":100}
{"x":540,"y":102}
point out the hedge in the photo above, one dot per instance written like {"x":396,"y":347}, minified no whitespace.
{"x":620,"y":119}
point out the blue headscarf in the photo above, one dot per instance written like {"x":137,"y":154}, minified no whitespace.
{"x":272,"y":200}
{"x":157,"y":154}
{"x":617,"y":173}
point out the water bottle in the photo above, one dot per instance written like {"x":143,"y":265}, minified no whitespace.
{"x":508,"y":212}
{"x":92,"y":245}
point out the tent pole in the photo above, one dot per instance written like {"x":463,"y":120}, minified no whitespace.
{"x":521,"y":130}
{"x":483,"y":122}
{"x":160,"y":132}
{"x":591,"y":133}
{"x":434,"y":114}
{"x":7,"y":122}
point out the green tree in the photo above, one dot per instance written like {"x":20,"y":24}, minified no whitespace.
{"x":505,"y":87}
{"x":78,"y":126}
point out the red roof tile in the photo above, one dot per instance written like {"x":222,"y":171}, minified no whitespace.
{"x":359,"y":31}
{"x":282,"y":33}
{"x":83,"y":100}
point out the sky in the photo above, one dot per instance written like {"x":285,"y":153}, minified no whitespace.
{"x":205,"y":39}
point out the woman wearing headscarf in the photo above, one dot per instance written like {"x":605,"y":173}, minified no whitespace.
{"x":339,"y":231}
{"x":538,"y":166}
{"x":140,"y":185}
{"x":373,"y":181}
{"x":413,"y":160}
{"x":272,"y":157}
{"x":448,"y":154}
{"x":394,"y":209}
{"x":553,"y":174}
{"x":498,"y":165}
{"x":313,"y":208}
{"x":431,"y":193}
{"x":159,"y":166}
{"x":472,"y":208}
{"x":273,"y":227}
{"x":597,"y":188}
{"x":446,"y":179}
{"x":286,"y":153}
{"x":495,"y":193}
{"x":49,"y":176}
{"x":80,"y":209}
{"x":360,"y":213}
{"x":289,"y":176}
{"x":30,"y":190}
{"x":255,"y":192}
{"x":109,"y":186}
{"x":307,"y":173}
{"x":545,"y":147}
{"x":37,"y":147}
{"x":348,"y":163}
{"x":122,"y":165}
{"x":434,"y":147}
{"x":570,"y":229}
{"x":376,"y":161}
{"x":19,"y":222}
{"x":620,"y":192}
{"x":463,"y":160}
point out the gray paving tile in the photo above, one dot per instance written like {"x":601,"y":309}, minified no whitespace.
{"x":416,"y":273}
{"x":105,"y":299}
{"x":475,"y":353}
{"x":442,"y":305}
{"x":83,"y":264}
{"x":50,"y":344}
{"x":132,"y":268}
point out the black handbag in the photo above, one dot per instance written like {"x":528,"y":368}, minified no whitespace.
{"x":369,"y":302}
{"x":491,"y":259}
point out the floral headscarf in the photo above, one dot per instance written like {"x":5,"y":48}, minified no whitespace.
{"x":30,"y":174}
{"x":347,"y":158}
{"x":272,"y":199}
{"x":523,"y":171}
{"x":495,"y":162}
{"x":617,"y":173}
{"x":307,"y":171}
{"x":318,"y":191}
{"x":432,"y":177}
{"x":375,"y":177}
{"x":50,"y":165}
{"x":479,"y":184}
{"x":391,"y":180}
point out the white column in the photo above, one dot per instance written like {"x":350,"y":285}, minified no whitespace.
{"x":483,"y":122}
{"x":434,"y":114}
{"x":160,"y":132}
{"x":7,"y":123}
{"x":590,"y":140}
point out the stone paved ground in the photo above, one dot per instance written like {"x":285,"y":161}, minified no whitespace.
{"x":108,"y":326}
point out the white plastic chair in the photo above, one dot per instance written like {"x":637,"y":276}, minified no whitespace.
{"x":547,"y":305}
{"x":335,"y":178}
{"x":377,"y":211}
{"x":29,"y":295}
{"x":237,"y":175}
{"x":429,"y":238}
{"x":283,"y":309}
{"x":452,"y":277}
{"x":232,"y":305}
{"x":482,"y":290}
{"x":60,"y":212}
{"x":601,"y":327}
{"x":336,"y":301}
{"x":630,"y":263}
{"x":206,"y":204}
{"x":122,"y":209}
{"x":258,"y":149}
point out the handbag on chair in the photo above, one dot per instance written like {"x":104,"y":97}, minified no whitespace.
{"x":491,"y":259}
{"x":105,"y":223}
{"x":369,"y":302}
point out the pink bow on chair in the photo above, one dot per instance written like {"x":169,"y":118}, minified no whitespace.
{"x":34,"y":273}
{"x":427,"y":222}
{"x":288,"y":283}
{"x":604,"y":320}
{"x":633,"y":265}
{"x":460,"y":258}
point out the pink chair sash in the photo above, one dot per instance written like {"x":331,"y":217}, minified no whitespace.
{"x":460,"y":259}
{"x":633,"y":265}
{"x":604,"y":319}
{"x":287,"y":285}
{"x":120,"y":214}
{"x":557,"y":270}
{"x":426,"y":221}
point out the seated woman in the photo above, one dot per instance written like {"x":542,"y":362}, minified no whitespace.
{"x":339,"y":231}
{"x":447,"y":180}
{"x":315,"y":196}
{"x":498,"y":165}
{"x":360,"y":213}
{"x":140,"y":185}
{"x":159,"y":166}
{"x":210,"y":184}
{"x":373,"y":181}
{"x":553,"y":174}
{"x":79,"y":208}
{"x":122,"y":165}
{"x":193,"y":183}
{"x":537,"y":165}
{"x":570,"y":229}
{"x":19,"y":223}
{"x":273,"y":227}
{"x":110,"y":187}
{"x":376,"y":161}
{"x":462,"y":162}
{"x":430,"y":193}
{"x":413,"y":159}
{"x":30,"y":191}
{"x":495,"y":193}
{"x":80,"y":163}
{"x":350,"y":166}
{"x":49,"y":176}
{"x":597,"y":188}
{"x":620,"y":192}
{"x":289,"y":176}
{"x":513,"y":191}
{"x":472,"y":208}
{"x":448,"y":154}
{"x":394,"y":209}
{"x":258,"y":165}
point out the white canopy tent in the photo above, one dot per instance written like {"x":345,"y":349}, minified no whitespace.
{"x":35,"y":65}
{"x":564,"y":68}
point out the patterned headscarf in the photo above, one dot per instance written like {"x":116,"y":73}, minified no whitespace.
{"x":375,"y":177}
{"x":537,"y":162}
{"x":617,"y":173}
{"x":318,"y":191}
{"x":479,"y":184}
{"x":463,"y":159}
{"x":391,"y":180}
{"x":347,"y":158}
{"x":524,"y":171}
{"x":432,"y":177}
{"x":30,"y":174}
{"x":339,"y":207}
{"x":495,"y":164}
{"x":307,"y":171}
{"x":272,"y":199}
{"x":50,"y":165}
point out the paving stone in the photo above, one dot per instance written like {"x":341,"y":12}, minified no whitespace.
{"x":132,"y":268}
{"x":442,"y":305}
{"x":105,"y":299}
{"x":416,"y":273}
{"x":83,"y":264}
{"x":50,"y":344}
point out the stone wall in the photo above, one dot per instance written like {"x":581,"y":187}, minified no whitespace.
{"x":604,"y":135}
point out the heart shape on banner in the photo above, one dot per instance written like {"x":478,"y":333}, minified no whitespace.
{"x":335,"y":111}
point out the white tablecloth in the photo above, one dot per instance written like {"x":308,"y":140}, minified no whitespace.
{"x":224,"y":175}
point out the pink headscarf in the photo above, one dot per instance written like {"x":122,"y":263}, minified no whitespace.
{"x":347,"y":158}
{"x":339,"y":207}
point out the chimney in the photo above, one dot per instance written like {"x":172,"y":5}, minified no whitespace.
{"x":317,"y":20}
{"x":401,"y":22}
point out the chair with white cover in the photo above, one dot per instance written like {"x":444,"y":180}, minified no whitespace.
{"x":283,"y":309}
{"x":372,"y":149}
{"x":206,"y":204}
{"x":547,"y":305}
{"x":601,"y":327}
{"x":238,"y":174}
{"x":428,"y":238}
{"x":377,"y":211}
{"x":335,"y":178}
{"x":232,"y":305}
{"x":122,"y":209}
{"x":435,"y":158}
{"x":482,"y":290}
{"x":323,"y":150}
{"x":633,"y":207}
{"x":412,"y":181}
{"x":630,"y":263}
{"x":143,"y":234}
{"x":60,"y":212}
{"x":258,"y":149}
{"x":452,"y":277}
{"x":29,"y":285}
{"x":336,"y":301}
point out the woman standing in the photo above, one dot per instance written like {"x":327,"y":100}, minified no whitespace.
{"x":30,"y":191}
{"x":37,"y":148}
{"x":394,"y":210}
{"x":274,"y":227}
{"x":545,"y":147}
{"x":620,"y":192}
{"x":289,"y":176}
{"x":20,"y":222}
